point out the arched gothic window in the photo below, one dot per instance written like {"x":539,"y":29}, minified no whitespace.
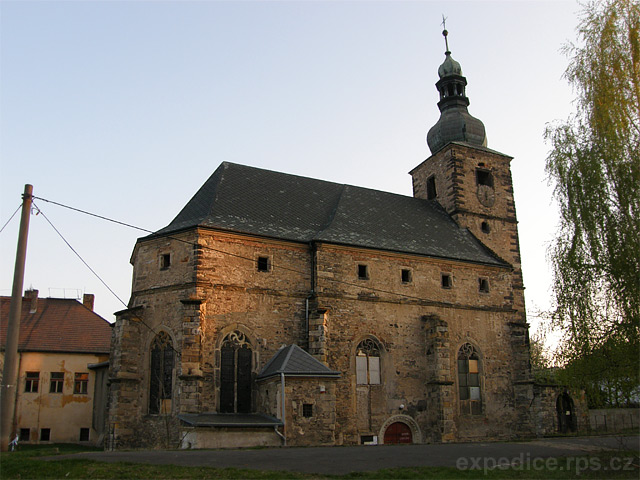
{"x":235,"y":374}
{"x":368,"y":362}
{"x":469,"y":380}
{"x":161,"y":374}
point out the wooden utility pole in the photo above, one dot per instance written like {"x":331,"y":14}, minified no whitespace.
{"x":10,"y":372}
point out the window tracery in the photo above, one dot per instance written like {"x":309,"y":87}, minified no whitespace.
{"x":368,"y":362}
{"x":470,"y":394}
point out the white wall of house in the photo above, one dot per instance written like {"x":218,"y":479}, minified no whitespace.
{"x":65,"y":410}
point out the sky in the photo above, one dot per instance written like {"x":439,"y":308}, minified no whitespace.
{"x":125,"y":108}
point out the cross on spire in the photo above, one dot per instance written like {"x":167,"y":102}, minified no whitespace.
{"x":445,"y":33}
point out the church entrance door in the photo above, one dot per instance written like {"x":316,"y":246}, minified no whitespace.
{"x":398,"y":432}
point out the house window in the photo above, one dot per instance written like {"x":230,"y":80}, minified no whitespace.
{"x":161,"y":374}
{"x":483,"y":285}
{"x":45,"y":434}
{"x":25,"y":433}
{"x":235,"y":374}
{"x":484,"y":177}
{"x":31,"y":382}
{"x":406,"y":275}
{"x":165,"y":261}
{"x":263,"y":264}
{"x":484,"y":226}
{"x":469,"y":380}
{"x":363,"y":272}
{"x":445,"y":280}
{"x":368,"y":363}
{"x":84,"y":434}
{"x":57,"y":382}
{"x":81,"y":384}
{"x":431,"y":188}
{"x":307,"y":410}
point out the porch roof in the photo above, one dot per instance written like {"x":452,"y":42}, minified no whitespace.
{"x":238,"y":420}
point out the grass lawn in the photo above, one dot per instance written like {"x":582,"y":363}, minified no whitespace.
{"x":25,"y":464}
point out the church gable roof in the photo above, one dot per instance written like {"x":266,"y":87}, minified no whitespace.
{"x":289,"y":207}
{"x":293,"y":361}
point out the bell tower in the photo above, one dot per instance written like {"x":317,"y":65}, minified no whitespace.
{"x":473,"y":184}
{"x":470,"y":181}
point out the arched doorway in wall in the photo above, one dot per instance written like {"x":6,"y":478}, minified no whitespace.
{"x":398,"y":432}
{"x":566,"y":414}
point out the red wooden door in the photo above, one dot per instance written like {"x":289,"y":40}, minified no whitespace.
{"x":398,"y":433}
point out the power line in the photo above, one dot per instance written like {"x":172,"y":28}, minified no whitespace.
{"x":95,"y":273}
{"x":252,"y":260}
{"x":78,"y":255}
{"x":93,"y":215}
{"x":11,"y":218}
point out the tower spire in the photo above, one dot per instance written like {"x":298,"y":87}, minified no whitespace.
{"x":455,"y":123}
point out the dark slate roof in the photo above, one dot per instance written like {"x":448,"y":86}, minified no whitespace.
{"x":295,"y":362}
{"x":230,"y":420}
{"x":288,"y":207}
{"x":57,"y":325}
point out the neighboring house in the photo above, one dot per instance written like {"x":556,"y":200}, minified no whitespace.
{"x":276,"y":307}
{"x":63,"y":348}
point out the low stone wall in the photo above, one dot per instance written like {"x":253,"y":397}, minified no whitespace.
{"x":613,"y":420}
{"x":203,"y":437}
{"x":546,"y":415}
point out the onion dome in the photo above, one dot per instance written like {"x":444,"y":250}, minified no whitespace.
{"x":455,"y":123}
{"x":449,"y":66}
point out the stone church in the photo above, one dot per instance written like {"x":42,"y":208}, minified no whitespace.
{"x":282,"y":310}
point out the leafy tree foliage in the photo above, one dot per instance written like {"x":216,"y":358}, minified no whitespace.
{"x":541,"y":365}
{"x":595,"y":164}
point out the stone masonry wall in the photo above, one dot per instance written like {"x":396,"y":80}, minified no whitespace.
{"x":384,"y":308}
{"x":489,"y":213}
{"x":213,"y":288}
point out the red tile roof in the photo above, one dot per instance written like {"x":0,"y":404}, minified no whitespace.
{"x":57,"y":325}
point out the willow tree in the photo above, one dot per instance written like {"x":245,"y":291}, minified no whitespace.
{"x":594,"y":164}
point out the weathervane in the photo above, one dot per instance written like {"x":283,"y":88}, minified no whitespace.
{"x":445,"y":33}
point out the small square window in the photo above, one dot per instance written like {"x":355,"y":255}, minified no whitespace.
{"x":31,"y":382}
{"x":263,"y":264}
{"x":57,"y":382}
{"x":307,"y":410}
{"x":483,"y":285}
{"x":406,"y":275}
{"x":363,"y":272}
{"x":446,"y":281}
{"x":25,"y":433}
{"x":81,"y":384}
{"x":45,"y":434}
{"x":165,"y":261}
{"x":84,"y":434}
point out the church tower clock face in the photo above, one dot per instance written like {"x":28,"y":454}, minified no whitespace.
{"x":486,"y":195}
